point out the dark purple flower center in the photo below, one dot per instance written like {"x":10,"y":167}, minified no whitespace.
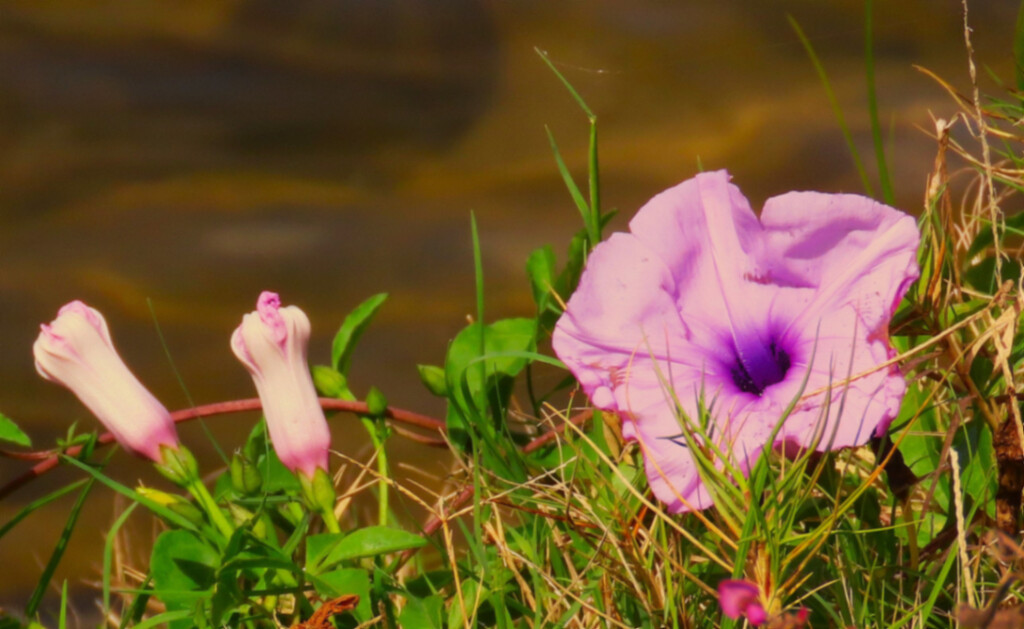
{"x":753,"y":372}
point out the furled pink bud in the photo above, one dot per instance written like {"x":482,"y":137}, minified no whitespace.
{"x":75,"y":350}
{"x":741,"y":599}
{"x":271,"y":343}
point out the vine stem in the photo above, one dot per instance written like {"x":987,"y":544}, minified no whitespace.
{"x":49,"y":459}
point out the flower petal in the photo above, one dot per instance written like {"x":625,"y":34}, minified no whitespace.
{"x":736,"y":597}
{"x":622,"y":309}
{"x":860,"y":257}
{"x":853,"y":249}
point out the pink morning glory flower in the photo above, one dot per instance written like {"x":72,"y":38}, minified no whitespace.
{"x":741,"y":599}
{"x":704,"y":297}
{"x":271,"y":343}
{"x":75,"y":350}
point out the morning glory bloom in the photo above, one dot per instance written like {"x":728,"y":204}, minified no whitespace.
{"x":704,"y":297}
{"x":75,"y":350}
{"x":271,"y":344}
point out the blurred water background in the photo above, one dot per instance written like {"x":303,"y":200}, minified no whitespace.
{"x":191,"y":154}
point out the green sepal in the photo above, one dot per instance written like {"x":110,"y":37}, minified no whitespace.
{"x":177,"y":465}
{"x":242,"y":516}
{"x":245,"y":475}
{"x":318,"y":491}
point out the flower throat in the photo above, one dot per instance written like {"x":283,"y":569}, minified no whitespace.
{"x":756,"y":376}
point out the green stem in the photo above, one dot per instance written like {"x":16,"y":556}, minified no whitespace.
{"x":373,"y":427}
{"x":330,"y":521}
{"x":206,"y":501}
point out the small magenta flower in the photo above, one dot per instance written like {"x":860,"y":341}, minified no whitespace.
{"x":75,"y":350}
{"x":703,"y":298}
{"x":741,"y":599}
{"x":271,"y":343}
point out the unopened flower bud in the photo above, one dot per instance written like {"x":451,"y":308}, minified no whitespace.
{"x":75,"y":350}
{"x":245,"y":475}
{"x":271,"y":343}
{"x":178,"y":504}
{"x":178,"y":465}
{"x":433,"y":378}
{"x":319,"y":491}
{"x":330,"y":382}
{"x":376,"y":403}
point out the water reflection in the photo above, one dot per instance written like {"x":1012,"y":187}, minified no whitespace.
{"x":196,"y":153}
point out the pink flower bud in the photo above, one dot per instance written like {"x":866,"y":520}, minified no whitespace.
{"x":76,"y":351}
{"x":271,"y":343}
{"x":741,"y":599}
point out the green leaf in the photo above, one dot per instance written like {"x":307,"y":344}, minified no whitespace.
{"x":326,"y":550}
{"x":351,"y":329}
{"x":985,"y":238}
{"x":487,"y":384}
{"x":472,"y":595}
{"x":540,"y":267}
{"x":349,"y":581}
{"x":319,"y":546}
{"x":184,"y":569}
{"x":423,"y":613}
{"x":9,"y":431}
{"x":978,"y":469}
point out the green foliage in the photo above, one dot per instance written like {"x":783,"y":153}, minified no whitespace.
{"x":351,"y":330}
{"x":480,"y":368}
{"x":10,"y":432}
{"x":327,"y":550}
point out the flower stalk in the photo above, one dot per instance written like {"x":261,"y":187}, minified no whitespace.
{"x":179,"y":466}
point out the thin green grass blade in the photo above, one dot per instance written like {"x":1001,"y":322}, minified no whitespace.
{"x":579,"y":99}
{"x":181,"y":380}
{"x":58,"y":552}
{"x":41,"y":502}
{"x":138,"y":606}
{"x":876,"y":128}
{"x":478,"y":274}
{"x":62,"y":621}
{"x":591,"y":211}
{"x":160,"y":510}
{"x":574,"y":190}
{"x":108,"y":553}
{"x":1018,"y":47}
{"x":165,"y":618}
{"x":834,"y":102}
{"x":594,"y":180}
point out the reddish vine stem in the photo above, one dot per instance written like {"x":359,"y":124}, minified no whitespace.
{"x":48,"y":459}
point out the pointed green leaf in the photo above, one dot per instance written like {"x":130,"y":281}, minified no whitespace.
{"x":351,"y":329}
{"x":9,"y":431}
